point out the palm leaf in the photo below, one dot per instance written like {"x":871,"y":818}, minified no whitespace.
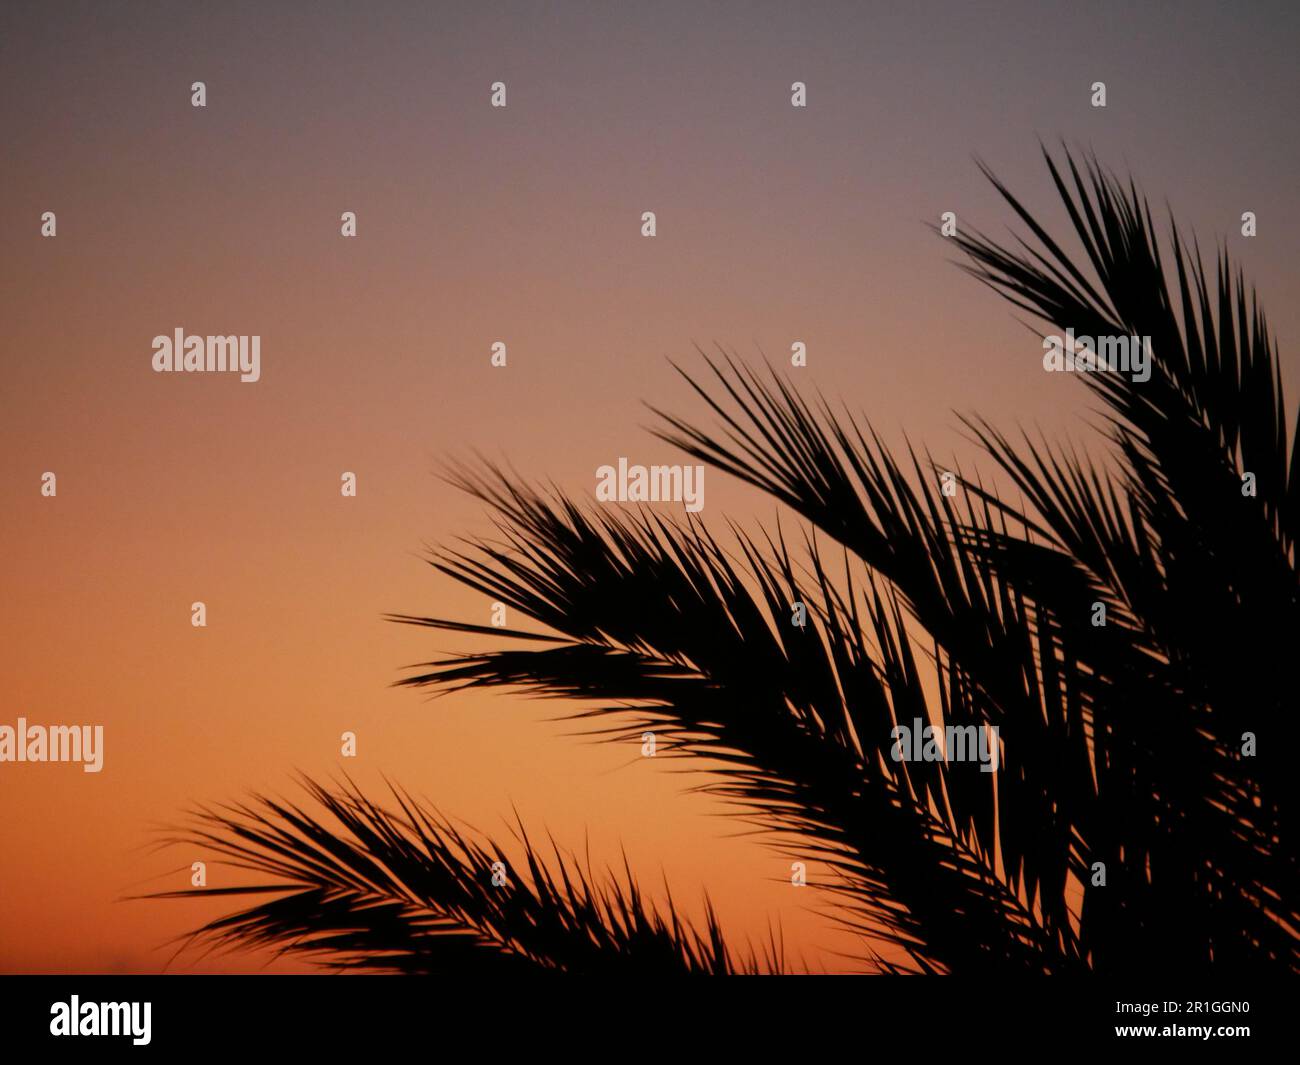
{"x":406,"y":891}
{"x":665,"y":631}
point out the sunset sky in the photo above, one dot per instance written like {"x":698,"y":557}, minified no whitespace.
{"x":475,"y":224}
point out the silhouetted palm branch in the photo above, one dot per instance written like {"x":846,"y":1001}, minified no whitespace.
{"x":678,"y":639}
{"x":405,"y":891}
{"x":1121,"y":744}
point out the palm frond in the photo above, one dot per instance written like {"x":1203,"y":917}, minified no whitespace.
{"x":1203,"y":572}
{"x":667,"y":632}
{"x":406,"y":891}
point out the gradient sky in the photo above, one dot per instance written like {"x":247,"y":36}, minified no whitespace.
{"x":476,"y":224}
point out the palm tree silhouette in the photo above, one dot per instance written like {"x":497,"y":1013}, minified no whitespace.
{"x":1139,"y":819}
